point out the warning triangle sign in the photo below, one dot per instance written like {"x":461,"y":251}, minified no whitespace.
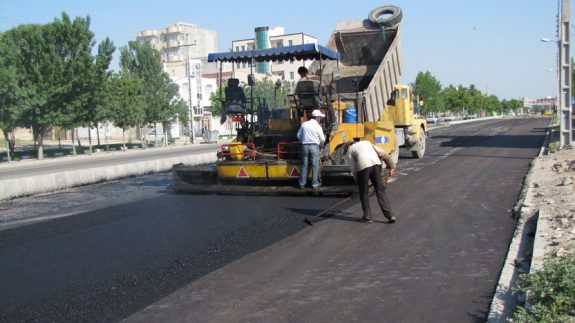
{"x":242,"y":173}
{"x":294,"y":172}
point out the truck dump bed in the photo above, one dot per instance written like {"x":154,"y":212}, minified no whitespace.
{"x":371,"y":56}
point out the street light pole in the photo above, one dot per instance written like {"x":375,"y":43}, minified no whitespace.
{"x":190,"y":106}
{"x":564,"y":81}
{"x":564,"y":101}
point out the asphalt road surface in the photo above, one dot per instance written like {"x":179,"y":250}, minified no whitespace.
{"x":133,"y":250}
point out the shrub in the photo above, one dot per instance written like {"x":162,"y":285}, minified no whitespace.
{"x":551,"y":292}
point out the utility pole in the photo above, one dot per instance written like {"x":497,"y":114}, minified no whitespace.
{"x":564,"y":74}
{"x":190,"y":106}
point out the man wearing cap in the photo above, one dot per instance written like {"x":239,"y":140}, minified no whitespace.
{"x":311,"y":138}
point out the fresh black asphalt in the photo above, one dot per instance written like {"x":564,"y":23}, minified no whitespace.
{"x":133,"y":250}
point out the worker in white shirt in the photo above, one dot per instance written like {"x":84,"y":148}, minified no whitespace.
{"x":311,"y":138}
{"x":365,"y":160}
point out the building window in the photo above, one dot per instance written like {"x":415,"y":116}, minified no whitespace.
{"x":243,"y":48}
{"x":237,"y":48}
{"x":280,"y":44}
{"x":291,"y":76}
{"x":244,"y":65}
{"x":290,"y":42}
{"x":238,"y":65}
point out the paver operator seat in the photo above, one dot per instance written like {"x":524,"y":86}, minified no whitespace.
{"x":235,"y":98}
{"x":307,"y":93}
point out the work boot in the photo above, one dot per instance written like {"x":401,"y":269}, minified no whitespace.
{"x":391,"y":219}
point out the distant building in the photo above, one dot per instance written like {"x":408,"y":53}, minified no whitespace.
{"x":271,"y":38}
{"x":179,"y":43}
{"x":540,"y":105}
{"x":184,"y":49}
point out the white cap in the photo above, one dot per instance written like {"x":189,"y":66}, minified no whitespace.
{"x":317,"y":113}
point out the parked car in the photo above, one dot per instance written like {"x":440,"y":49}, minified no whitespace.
{"x":151,"y":136}
{"x":432,"y":119}
{"x":450,"y":118}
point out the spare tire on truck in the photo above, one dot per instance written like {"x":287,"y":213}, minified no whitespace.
{"x":392,"y":16}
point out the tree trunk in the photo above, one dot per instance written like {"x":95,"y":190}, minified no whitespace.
{"x":6,"y":137}
{"x":60,"y":138}
{"x":11,"y":141}
{"x":106,"y":140}
{"x":73,"y":144}
{"x":40,"y":143}
{"x":78,"y":138}
{"x":123,"y":139}
{"x":98,"y":132}
{"x":89,"y":139}
{"x":144,"y":142}
{"x":165,"y":136}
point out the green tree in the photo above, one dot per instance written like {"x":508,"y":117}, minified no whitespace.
{"x":161,"y":94}
{"x":100,"y":77}
{"x":269,"y":93}
{"x":53,"y":61}
{"x":216,"y":101}
{"x":12,"y":96}
{"x":126,"y":102}
{"x":428,"y":89}
{"x":456,"y":99}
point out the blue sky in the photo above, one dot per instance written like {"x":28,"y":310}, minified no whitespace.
{"x":492,"y":44}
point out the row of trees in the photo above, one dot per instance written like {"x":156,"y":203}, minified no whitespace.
{"x":457,"y":99}
{"x":50,"y":78}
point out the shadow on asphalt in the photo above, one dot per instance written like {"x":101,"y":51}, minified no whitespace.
{"x":497,"y":141}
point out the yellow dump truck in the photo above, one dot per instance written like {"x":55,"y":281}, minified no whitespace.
{"x":357,"y":89}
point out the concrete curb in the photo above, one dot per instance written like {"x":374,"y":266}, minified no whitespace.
{"x":504,"y":300}
{"x":24,"y":186}
{"x":541,"y":240}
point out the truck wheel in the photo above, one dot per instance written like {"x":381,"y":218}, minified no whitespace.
{"x":337,"y":157}
{"x":393,"y":16}
{"x":421,"y":148}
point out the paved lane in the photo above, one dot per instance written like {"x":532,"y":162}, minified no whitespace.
{"x":439,"y":263}
{"x":132,"y":249}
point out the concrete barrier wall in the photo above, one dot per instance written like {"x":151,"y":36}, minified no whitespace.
{"x":36,"y":184}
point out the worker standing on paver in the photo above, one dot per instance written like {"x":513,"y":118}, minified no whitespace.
{"x":365,"y":160}
{"x":311,"y":138}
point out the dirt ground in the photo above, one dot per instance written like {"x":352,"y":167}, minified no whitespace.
{"x":553,"y":192}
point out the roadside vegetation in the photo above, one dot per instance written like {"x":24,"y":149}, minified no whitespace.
{"x":550,"y":292}
{"x":435,"y":100}
{"x":51,"y":81}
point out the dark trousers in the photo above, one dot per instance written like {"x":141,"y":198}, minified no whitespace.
{"x":372,"y":174}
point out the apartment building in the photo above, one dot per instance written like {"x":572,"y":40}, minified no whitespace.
{"x":270,"y":38}
{"x":180,"y":42}
{"x":184,"y":49}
